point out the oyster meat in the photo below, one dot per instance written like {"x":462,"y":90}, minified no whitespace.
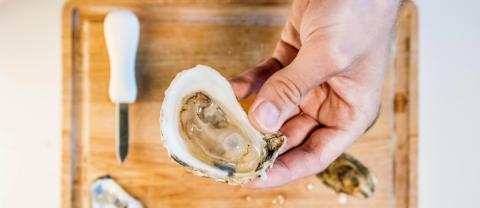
{"x":347,"y":175}
{"x":205,"y":129}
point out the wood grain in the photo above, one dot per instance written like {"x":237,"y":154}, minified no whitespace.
{"x":231,"y":36}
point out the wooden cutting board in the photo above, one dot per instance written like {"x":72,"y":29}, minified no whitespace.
{"x":231,"y":36}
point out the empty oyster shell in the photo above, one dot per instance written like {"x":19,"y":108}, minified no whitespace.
{"x":106,"y":193}
{"x":347,"y":175}
{"x":205,"y":129}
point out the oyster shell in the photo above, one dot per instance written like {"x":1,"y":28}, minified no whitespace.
{"x":205,"y":129}
{"x":347,"y":175}
{"x":106,"y":193}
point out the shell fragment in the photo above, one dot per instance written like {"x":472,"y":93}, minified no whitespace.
{"x":106,"y":193}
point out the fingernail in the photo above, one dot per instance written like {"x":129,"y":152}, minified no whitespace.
{"x":266,"y":115}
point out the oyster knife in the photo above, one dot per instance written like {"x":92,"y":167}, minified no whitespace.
{"x":122,"y":31}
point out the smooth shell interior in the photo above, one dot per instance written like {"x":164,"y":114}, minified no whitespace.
{"x":217,"y":138}
{"x":205,"y":129}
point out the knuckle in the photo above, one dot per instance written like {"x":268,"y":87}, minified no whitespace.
{"x":288,"y":176}
{"x":286,"y":90}
{"x":311,"y":150}
{"x":288,"y":173}
{"x":311,"y":162}
{"x":375,"y":118}
{"x":338,"y":57}
{"x":333,"y":56}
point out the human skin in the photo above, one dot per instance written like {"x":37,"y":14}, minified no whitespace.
{"x":322,"y":85}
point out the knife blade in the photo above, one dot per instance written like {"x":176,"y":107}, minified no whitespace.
{"x":121,"y":131}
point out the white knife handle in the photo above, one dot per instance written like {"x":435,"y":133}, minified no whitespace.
{"x":122,"y":29}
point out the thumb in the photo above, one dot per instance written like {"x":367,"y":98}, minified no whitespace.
{"x":279,"y":97}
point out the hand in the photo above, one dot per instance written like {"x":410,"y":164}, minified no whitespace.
{"x":322,"y":86}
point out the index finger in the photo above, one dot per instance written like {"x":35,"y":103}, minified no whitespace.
{"x":250,"y":81}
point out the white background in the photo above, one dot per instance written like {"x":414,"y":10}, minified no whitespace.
{"x":30,"y":103}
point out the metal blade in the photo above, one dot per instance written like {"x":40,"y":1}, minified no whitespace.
{"x":121,"y":131}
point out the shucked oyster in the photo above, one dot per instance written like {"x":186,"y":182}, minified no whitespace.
{"x":347,"y":175}
{"x":205,"y":129}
